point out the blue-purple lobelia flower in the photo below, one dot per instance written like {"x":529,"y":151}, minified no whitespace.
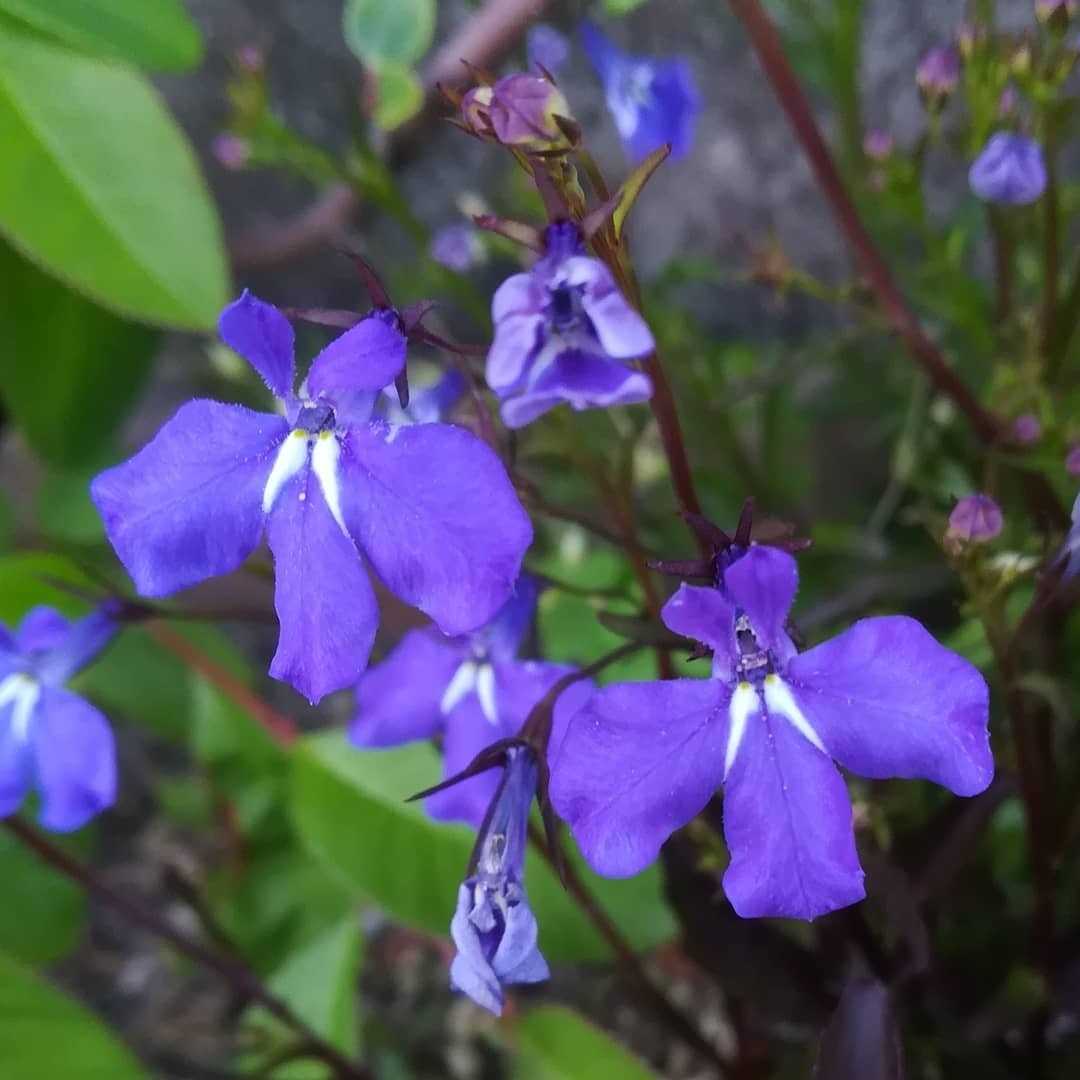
{"x":1010,"y":169}
{"x":429,"y":505}
{"x":493,"y":927}
{"x":457,"y":247}
{"x":427,"y":405}
{"x":563,"y":334}
{"x":652,"y":101}
{"x":471,"y":690}
{"x":975,"y":519}
{"x":50,"y":738}
{"x":882,"y":699}
{"x":546,"y":47}
{"x":1068,"y":558}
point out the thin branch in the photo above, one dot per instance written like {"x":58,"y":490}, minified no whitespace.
{"x":770,"y":50}
{"x":232,"y":969}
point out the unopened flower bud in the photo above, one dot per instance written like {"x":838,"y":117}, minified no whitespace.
{"x":231,"y":151}
{"x":1027,"y":429}
{"x":523,"y":111}
{"x":975,"y":519}
{"x":938,"y":75}
{"x":1008,"y":102}
{"x":251,"y":58}
{"x":1072,"y":461}
{"x":878,"y":145}
{"x":1009,"y":170}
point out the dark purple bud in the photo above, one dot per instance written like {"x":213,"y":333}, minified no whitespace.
{"x":1027,"y":429}
{"x":975,"y":519}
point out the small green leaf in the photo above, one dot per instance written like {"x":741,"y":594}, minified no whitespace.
{"x":155,"y":34}
{"x":621,"y":7}
{"x":43,"y":913}
{"x":46,"y":1034}
{"x":349,"y":810}
{"x":100,"y":186}
{"x":72,"y":374}
{"x":377,"y":31}
{"x":400,"y":95}
{"x":634,"y":184}
{"x":555,"y":1043}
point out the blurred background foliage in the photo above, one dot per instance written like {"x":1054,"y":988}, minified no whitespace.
{"x":296,"y":852}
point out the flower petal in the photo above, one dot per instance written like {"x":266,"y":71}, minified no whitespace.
{"x":622,"y":331}
{"x":705,"y":615}
{"x":188,"y":506}
{"x":888,"y":700}
{"x":367,"y":357}
{"x":503,"y":636}
{"x":75,"y":759}
{"x":671,"y":112}
{"x":324,"y":600}
{"x":434,"y":510}
{"x":16,"y":764}
{"x":264,"y":338}
{"x":516,"y":312}
{"x":470,"y":971}
{"x":42,"y":629}
{"x":763,"y":583}
{"x":600,"y":49}
{"x":517,"y":958}
{"x":639,"y":761}
{"x":582,"y":380}
{"x":787,"y":823}
{"x":398,"y":700}
{"x":82,"y":642}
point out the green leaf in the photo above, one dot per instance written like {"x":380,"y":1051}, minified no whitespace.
{"x":46,"y":1034}
{"x":621,"y":7}
{"x":100,"y":186}
{"x":555,"y":1043}
{"x":155,"y":34}
{"x":25,"y":581}
{"x":400,"y":95}
{"x":43,"y":914}
{"x":399,"y":32}
{"x":73,"y":370}
{"x":349,"y":810}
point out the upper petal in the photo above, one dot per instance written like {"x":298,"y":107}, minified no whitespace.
{"x":434,"y":510}
{"x":324,"y":600}
{"x":75,"y":759}
{"x":670,"y":114}
{"x":263,"y":337}
{"x":515,"y":341}
{"x":622,"y":331}
{"x":637,"y":762}
{"x":888,"y":700}
{"x":84,"y":639}
{"x":787,"y":823}
{"x":762,"y":583}
{"x":42,"y":629}
{"x":705,"y":615}
{"x":503,"y":636}
{"x":398,"y":700}
{"x":365,"y":358}
{"x":517,"y":958}
{"x":188,"y":506}
{"x":599,"y":48}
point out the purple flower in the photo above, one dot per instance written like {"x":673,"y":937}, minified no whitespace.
{"x":472,"y":690}
{"x":975,"y":519}
{"x":882,"y":699}
{"x":231,"y":151}
{"x":519,"y":110}
{"x":493,"y":927}
{"x":651,"y":101}
{"x":563,"y":333}
{"x":1072,"y":461}
{"x":429,"y":504}
{"x":1010,"y":169}
{"x":428,"y":405}
{"x":938,"y":73}
{"x":878,"y":145}
{"x":50,"y":738}
{"x":546,"y":47}
{"x":1069,"y":556}
{"x":457,"y":247}
{"x":1027,"y":429}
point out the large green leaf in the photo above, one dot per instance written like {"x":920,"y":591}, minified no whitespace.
{"x":155,"y":34}
{"x":72,"y":370}
{"x":43,"y":913}
{"x":100,"y":186}
{"x":555,"y":1043}
{"x":349,"y":809}
{"x":45,"y":1034}
{"x":378,"y":31}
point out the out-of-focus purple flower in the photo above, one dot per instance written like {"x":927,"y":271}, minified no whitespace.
{"x":1008,"y":102}
{"x":563,"y":333}
{"x":251,"y":59}
{"x":938,"y":73}
{"x":1010,"y":169}
{"x":975,"y":519}
{"x":883,"y":699}
{"x":231,"y":151}
{"x":430,"y":505}
{"x":493,"y":927}
{"x":457,"y":247}
{"x":1027,"y":429}
{"x":1072,"y":461}
{"x":878,"y":145}
{"x":519,"y":110}
{"x":428,"y":405}
{"x":546,"y":47}
{"x":1068,"y":558}
{"x":651,"y":101}
{"x":472,"y":690}
{"x":50,"y":738}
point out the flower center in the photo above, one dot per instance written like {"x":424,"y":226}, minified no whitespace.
{"x":472,"y":676}
{"x":21,"y":691}
{"x":565,"y":309}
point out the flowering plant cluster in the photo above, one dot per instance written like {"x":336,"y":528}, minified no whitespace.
{"x":498,"y":541}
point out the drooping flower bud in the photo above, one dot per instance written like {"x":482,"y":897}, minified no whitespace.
{"x":1009,"y":170}
{"x":975,"y":519}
